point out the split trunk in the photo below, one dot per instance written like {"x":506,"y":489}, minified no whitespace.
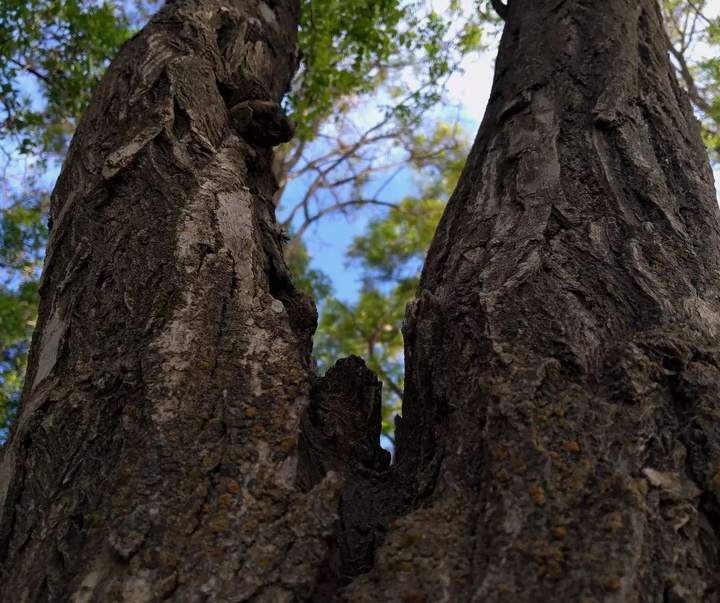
{"x":560,"y":438}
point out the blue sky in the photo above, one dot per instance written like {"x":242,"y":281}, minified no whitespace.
{"x":328,"y":240}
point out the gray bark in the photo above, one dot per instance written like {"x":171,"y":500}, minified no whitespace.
{"x":560,"y":437}
{"x":153,"y":457}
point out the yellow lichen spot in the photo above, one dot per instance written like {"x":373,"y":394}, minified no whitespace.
{"x":233,"y":487}
{"x":224,"y":500}
{"x":181,"y":579}
{"x":585,"y":462}
{"x":205,"y":460}
{"x":205,"y":508}
{"x":715,"y":481}
{"x":560,"y":412}
{"x":553,"y":569}
{"x":638,"y":490}
{"x":288,"y":443}
{"x":204,"y":364}
{"x":615,"y":522}
{"x":538,"y":495}
{"x":571,"y":445}
{"x":410,"y":538}
{"x":576,"y":480}
{"x":169,"y":558}
{"x":612,"y":583}
{"x":554,"y":456}
{"x":559,"y":532}
{"x":517,"y":544}
{"x":219,"y":526}
{"x":250,"y":413}
{"x":543,"y":418}
{"x":502,"y":475}
{"x":414,"y":595}
{"x":505,"y":589}
{"x":257,"y":428}
{"x":499,"y":452}
{"x":249,"y":525}
{"x":517,"y":465}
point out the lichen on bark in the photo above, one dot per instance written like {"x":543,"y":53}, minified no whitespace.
{"x":559,"y":438}
{"x":154,"y":456}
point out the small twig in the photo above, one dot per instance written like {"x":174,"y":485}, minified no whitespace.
{"x":37,"y":74}
{"x":331,"y":208}
{"x":500,"y":8}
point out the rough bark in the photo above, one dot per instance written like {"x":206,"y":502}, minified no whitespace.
{"x":560,"y":439}
{"x":154,"y":456}
{"x":561,"y":425}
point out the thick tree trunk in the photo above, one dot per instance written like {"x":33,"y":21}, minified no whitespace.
{"x":154,"y":454}
{"x":561,"y":437}
{"x":561,"y":429}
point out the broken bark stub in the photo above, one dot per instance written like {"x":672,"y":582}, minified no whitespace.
{"x":340,"y":432}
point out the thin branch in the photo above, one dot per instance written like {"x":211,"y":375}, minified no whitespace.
{"x":698,"y":11}
{"x":48,"y":80}
{"x":385,"y":377}
{"x":331,"y":208}
{"x":500,"y":8}
{"x":688,"y":78}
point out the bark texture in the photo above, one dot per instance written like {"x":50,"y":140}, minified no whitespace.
{"x":561,"y":425}
{"x":560,"y":438}
{"x":154,"y":456}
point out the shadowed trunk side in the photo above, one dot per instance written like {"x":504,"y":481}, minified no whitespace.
{"x":560,"y":429}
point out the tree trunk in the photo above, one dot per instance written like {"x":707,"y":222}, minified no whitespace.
{"x":561,"y":425}
{"x":154,"y":454}
{"x":560,"y":436}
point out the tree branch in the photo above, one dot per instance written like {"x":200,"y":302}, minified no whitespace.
{"x":500,"y":8}
{"x":326,"y":210}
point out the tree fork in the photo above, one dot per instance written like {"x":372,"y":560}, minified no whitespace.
{"x":560,"y":431}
